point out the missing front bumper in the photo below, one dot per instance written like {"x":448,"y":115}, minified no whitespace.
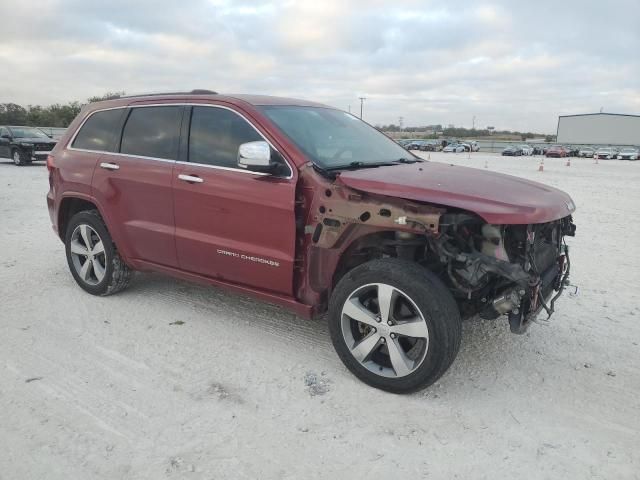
{"x":543,"y":296}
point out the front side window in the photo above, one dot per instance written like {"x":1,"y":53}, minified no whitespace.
{"x":216,"y":134}
{"x":333,"y":139}
{"x":153,"y":132}
{"x":100,"y":131}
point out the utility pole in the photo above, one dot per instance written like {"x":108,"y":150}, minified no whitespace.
{"x":362,"y":99}
{"x":400,"y":120}
{"x":473,"y":123}
{"x":349,"y":108}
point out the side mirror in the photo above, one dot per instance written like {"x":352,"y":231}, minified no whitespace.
{"x":255,"y":156}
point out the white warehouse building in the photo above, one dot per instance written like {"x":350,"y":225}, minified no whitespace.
{"x":599,"y":129}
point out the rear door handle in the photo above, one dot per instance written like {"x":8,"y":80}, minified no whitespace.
{"x":190,"y":178}
{"x":109,"y":166}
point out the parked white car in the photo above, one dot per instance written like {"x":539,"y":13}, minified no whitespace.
{"x":586,"y":152}
{"x":526,"y":149}
{"x":629,"y":153}
{"x":454,"y":147}
{"x":605,"y":153}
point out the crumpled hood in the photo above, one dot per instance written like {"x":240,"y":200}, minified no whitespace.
{"x":496,"y":197}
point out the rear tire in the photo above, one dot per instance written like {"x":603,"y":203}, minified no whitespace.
{"x":92,"y":256}
{"x":418,"y":296}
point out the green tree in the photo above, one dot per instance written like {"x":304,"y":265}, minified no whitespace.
{"x":56,"y":115}
{"x":12,"y":114}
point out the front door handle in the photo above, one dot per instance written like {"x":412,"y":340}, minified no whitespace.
{"x":109,"y":166}
{"x":190,"y":178}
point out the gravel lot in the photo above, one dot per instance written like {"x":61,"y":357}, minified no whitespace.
{"x":173,"y":380}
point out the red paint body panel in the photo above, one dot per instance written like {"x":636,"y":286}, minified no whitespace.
{"x":72,"y":180}
{"x":234,"y":224}
{"x":138,"y":207}
{"x":497,"y":198}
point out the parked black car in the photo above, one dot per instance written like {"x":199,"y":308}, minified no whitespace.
{"x":430,"y":146}
{"x":573,"y":150}
{"x":512,"y":151}
{"x":24,"y":144}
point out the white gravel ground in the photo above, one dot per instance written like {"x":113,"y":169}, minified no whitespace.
{"x":113,"y":388}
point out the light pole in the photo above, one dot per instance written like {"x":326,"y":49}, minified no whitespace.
{"x":362,"y":99}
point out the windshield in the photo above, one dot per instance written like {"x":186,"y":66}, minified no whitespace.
{"x":25,"y":132}
{"x":333,"y":139}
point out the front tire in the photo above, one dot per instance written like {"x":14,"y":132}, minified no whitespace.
{"x":92,"y":256}
{"x":19,"y":158}
{"x":394,"y":325}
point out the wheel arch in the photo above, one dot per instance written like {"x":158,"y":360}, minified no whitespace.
{"x":74,"y":202}
{"x":359,"y":245}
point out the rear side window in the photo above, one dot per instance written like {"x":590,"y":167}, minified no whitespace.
{"x":215,"y":136}
{"x":153,"y":132}
{"x":100,"y":131}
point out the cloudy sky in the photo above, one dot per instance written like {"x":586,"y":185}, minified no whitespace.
{"x":511,"y":64}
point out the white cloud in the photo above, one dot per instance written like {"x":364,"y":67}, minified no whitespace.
{"x":511,"y":64}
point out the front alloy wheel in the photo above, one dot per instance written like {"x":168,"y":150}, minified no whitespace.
{"x":394,"y":324}
{"x":384,"y":330}
{"x":18,"y":158}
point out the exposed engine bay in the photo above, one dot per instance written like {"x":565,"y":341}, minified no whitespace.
{"x":495,"y":270}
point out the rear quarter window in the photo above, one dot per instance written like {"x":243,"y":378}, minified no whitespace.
{"x":100,"y":131}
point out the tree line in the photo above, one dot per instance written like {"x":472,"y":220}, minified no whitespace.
{"x":56,"y":115}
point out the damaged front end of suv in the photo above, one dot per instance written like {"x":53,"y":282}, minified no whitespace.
{"x":493,"y":270}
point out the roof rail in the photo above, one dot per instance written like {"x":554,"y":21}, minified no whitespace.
{"x":195,"y":91}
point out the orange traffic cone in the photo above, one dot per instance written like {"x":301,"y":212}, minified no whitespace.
{"x":596,"y":157}
{"x":541,"y":167}
{"x":568,"y":161}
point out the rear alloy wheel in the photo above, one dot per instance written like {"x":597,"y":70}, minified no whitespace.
{"x":87,"y":254}
{"x":92,"y":257}
{"x":19,"y":158}
{"x":394,"y":325}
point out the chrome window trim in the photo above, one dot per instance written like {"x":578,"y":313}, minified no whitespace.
{"x":230,"y":169}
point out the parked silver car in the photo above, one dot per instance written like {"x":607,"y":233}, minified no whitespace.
{"x":629,"y":153}
{"x":586,"y":152}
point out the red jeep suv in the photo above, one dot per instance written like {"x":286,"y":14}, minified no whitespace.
{"x":307,"y":207}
